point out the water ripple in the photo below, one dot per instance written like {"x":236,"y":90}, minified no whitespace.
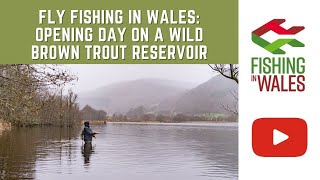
{"x":122,"y":151}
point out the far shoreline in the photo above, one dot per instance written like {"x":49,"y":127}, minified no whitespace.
{"x":93,"y":122}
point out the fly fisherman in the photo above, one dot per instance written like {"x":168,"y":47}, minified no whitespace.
{"x":87,"y":133}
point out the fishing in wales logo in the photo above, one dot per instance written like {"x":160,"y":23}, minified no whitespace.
{"x":278,"y":72}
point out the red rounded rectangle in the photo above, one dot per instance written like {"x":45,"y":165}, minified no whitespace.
{"x":295,"y":129}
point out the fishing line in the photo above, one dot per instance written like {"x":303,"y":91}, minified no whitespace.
{"x":124,"y":135}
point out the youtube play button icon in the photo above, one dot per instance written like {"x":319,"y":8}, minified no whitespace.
{"x":279,"y":137}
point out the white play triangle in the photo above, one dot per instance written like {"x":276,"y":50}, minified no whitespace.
{"x":279,"y":137}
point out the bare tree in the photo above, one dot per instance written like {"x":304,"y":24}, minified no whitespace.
{"x":29,"y":94}
{"x":230,"y":71}
{"x":234,"y":107}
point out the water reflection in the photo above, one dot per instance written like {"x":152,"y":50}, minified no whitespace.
{"x":87,"y":150}
{"x":126,"y":151}
{"x":20,"y":148}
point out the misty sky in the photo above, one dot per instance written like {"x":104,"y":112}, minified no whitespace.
{"x":98,"y":75}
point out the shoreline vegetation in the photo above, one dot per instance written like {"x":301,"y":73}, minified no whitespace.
{"x":34,"y":95}
{"x":140,"y":114}
{"x":97,"y":122}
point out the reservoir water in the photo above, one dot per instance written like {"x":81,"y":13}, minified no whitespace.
{"x":133,"y":151}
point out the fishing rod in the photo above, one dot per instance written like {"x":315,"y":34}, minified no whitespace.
{"x":122,"y":134}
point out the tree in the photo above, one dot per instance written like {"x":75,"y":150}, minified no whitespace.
{"x":32,"y":94}
{"x":148,"y":117}
{"x":179,"y":118}
{"x":234,"y":107}
{"x":136,"y":113}
{"x":89,"y":113}
{"x":230,"y":71}
{"x":160,"y":118}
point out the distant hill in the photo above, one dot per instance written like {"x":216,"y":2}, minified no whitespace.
{"x":122,"y":96}
{"x":208,"y":97}
{"x":164,"y":96}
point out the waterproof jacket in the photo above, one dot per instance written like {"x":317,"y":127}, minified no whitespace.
{"x":87,"y":134}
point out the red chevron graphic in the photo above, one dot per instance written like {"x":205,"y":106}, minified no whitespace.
{"x":274,"y":25}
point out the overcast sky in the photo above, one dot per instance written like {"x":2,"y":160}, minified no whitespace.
{"x":92,"y":76}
